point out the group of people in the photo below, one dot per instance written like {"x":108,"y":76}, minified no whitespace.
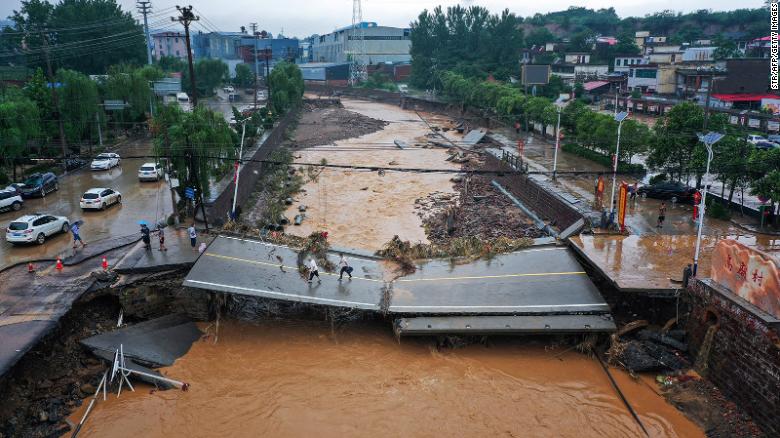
{"x":146,"y":233}
{"x":344,"y":268}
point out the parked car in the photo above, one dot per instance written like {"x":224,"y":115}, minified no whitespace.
{"x":766,"y":145}
{"x":774,"y":138}
{"x":669,"y":190}
{"x":39,"y":184}
{"x":755,"y":138}
{"x":15,"y":187}
{"x":99,"y":198}
{"x":229,"y":89}
{"x":35,"y":228}
{"x":105,"y":161}
{"x":150,"y":172}
{"x":10,"y":200}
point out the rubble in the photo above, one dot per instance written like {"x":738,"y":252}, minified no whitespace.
{"x":325,"y":125}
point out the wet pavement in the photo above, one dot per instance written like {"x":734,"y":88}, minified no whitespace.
{"x":286,"y":378}
{"x":651,"y":256}
{"x":539,"y":280}
{"x":150,"y":201}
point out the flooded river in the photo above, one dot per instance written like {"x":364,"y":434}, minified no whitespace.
{"x":286,"y":379}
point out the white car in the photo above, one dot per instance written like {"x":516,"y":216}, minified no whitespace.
{"x":10,"y":200}
{"x":229,"y":89}
{"x":99,"y":198}
{"x":755,"y":138}
{"x":105,"y":161}
{"x":35,"y":228}
{"x":150,"y":172}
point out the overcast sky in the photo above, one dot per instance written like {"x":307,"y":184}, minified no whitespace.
{"x":305,"y":17}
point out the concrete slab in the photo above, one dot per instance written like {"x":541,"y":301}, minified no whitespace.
{"x":544,"y":280}
{"x":250,"y":267}
{"x":19,"y":338}
{"x":503,"y":325}
{"x":158,"y":342}
{"x":179,"y":254}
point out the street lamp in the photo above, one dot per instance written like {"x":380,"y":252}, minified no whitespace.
{"x":238,"y":171}
{"x":708,"y":139}
{"x":557,"y":142}
{"x":619,"y":117}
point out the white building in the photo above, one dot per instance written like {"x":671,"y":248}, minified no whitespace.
{"x":624,"y":63}
{"x":381,"y":44}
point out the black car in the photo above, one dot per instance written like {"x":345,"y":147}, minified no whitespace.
{"x":39,"y":184}
{"x":669,"y":190}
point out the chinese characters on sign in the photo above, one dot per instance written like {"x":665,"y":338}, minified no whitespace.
{"x":749,"y":274}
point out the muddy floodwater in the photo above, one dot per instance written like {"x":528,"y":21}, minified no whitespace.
{"x":286,"y":379}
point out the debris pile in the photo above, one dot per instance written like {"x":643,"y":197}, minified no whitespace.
{"x":648,"y":349}
{"x":468,"y":247}
{"x":477,"y":210}
{"x":321,"y":126}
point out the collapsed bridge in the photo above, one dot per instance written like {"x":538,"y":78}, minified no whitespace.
{"x":542,"y":289}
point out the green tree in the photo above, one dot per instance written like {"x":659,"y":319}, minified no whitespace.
{"x":79,"y":100}
{"x":245,"y":78}
{"x":171,"y":64}
{"x":36,"y":90}
{"x":286,"y":82}
{"x":676,"y":140}
{"x":768,"y":187}
{"x":200,"y":144}
{"x":19,"y":126}
{"x":209,"y":74}
{"x":131,"y":85}
{"x":82,"y":35}
{"x":539,"y":37}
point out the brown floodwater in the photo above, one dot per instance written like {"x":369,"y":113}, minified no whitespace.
{"x":287,"y":379}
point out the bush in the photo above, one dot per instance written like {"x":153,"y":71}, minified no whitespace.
{"x":601,"y":158}
{"x":4,"y":179}
{"x":717,"y":210}
{"x":661,"y":177}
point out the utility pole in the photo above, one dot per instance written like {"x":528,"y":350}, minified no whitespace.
{"x":145,"y":7}
{"x":707,"y":101}
{"x":55,"y":98}
{"x":257,"y":70}
{"x":267,"y":73}
{"x":185,"y":19}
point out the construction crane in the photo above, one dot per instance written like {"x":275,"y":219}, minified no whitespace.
{"x":357,"y":46}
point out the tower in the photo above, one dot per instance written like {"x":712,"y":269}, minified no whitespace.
{"x":357,"y":46}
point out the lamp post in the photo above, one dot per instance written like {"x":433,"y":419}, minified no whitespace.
{"x":557,"y":142}
{"x":708,"y":139}
{"x":238,"y":171}
{"x":619,"y":117}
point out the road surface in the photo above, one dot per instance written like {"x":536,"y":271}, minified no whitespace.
{"x":149,"y":201}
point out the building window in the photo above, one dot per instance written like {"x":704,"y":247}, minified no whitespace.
{"x":646,"y":74}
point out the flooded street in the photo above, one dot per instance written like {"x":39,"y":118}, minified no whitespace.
{"x":283,"y":378}
{"x":360,"y":208}
{"x":150,"y":201}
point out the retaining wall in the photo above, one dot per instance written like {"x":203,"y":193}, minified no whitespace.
{"x":744,"y":359}
{"x":544,"y":203}
{"x":218,"y":207}
{"x":359,"y":93}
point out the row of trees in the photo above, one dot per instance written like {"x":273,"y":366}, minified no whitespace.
{"x":671,"y":146}
{"x":82,"y":35}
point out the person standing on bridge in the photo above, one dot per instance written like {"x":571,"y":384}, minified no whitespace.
{"x":313,"y":271}
{"x":344,"y":265}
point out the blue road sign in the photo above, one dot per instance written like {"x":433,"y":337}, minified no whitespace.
{"x":189,"y":192}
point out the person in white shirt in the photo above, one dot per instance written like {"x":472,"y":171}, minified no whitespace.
{"x":313,"y":271}
{"x":344,"y":265}
{"x":193,"y":235}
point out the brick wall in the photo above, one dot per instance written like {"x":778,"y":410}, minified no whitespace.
{"x":218,"y":207}
{"x":744,"y":360}
{"x":545,"y":204}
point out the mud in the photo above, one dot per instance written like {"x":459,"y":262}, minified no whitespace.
{"x":52,"y":379}
{"x":322,"y":124}
{"x":364,"y":209}
{"x":287,"y":378}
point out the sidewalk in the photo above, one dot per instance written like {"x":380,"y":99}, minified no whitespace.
{"x":649,"y":257}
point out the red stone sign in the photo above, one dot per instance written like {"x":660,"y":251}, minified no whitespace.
{"x":749,"y":274}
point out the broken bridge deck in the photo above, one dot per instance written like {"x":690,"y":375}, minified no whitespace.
{"x":544,"y":280}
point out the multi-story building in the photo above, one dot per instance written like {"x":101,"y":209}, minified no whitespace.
{"x":663,"y":54}
{"x":169,"y":44}
{"x":381,"y":44}
{"x":217,"y":45}
{"x":577,"y":57}
{"x":691,"y":54}
{"x":623,"y":63}
{"x":571,"y":73}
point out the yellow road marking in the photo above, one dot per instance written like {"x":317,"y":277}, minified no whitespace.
{"x":409,"y":280}
{"x":294,"y":268}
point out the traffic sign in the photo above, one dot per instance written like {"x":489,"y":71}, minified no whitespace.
{"x":189,"y":192}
